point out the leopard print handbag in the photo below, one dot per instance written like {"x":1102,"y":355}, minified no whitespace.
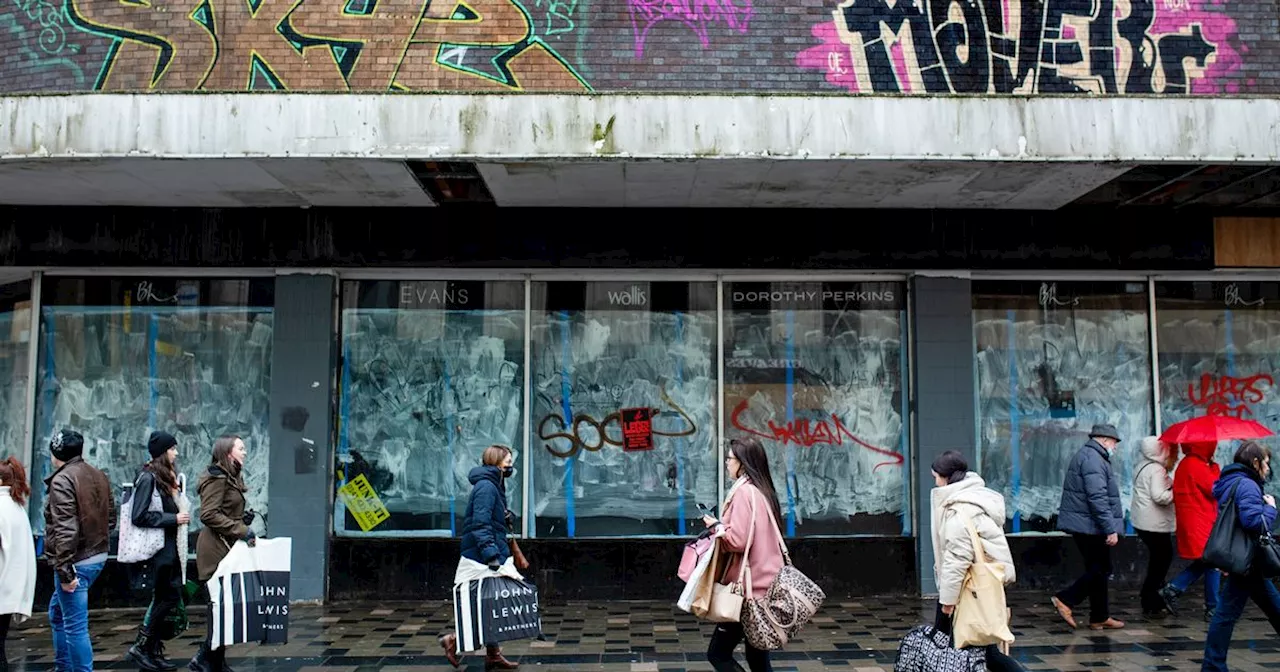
{"x":789,"y":604}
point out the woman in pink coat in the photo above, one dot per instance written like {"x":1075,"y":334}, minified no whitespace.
{"x":747,"y":463}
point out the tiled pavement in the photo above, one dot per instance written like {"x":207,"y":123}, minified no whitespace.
{"x":860,"y":635}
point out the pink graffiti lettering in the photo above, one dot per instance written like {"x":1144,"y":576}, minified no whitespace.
{"x":1111,"y":47}
{"x":698,"y":15}
{"x":807,"y":433}
{"x":1228,"y":395}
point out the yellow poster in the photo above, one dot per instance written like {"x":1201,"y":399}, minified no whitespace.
{"x":363,"y":503}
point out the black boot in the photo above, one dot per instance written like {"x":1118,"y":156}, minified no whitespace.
{"x":157,"y":654}
{"x":200,"y":661}
{"x":142,"y":653}
{"x":218,"y":660}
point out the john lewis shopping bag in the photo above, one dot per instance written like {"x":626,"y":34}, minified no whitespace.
{"x":249,"y":593}
{"x":495,"y":609}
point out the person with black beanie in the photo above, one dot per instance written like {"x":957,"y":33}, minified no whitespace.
{"x":155,"y":505}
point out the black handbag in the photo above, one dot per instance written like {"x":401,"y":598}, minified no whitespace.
{"x":928,"y":649}
{"x":1235,"y":550}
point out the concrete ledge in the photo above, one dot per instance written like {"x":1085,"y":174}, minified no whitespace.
{"x":518,"y":127}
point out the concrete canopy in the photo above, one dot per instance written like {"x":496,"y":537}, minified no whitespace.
{"x":610,"y":150}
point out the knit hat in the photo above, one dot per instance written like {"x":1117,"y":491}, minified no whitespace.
{"x":66,"y":445}
{"x":159,"y":443}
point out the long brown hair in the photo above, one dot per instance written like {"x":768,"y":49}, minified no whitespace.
{"x":13,"y":475}
{"x":222,"y":448}
{"x":755,"y":464}
{"x":164,"y":474}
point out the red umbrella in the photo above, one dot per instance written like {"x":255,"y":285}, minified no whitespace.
{"x":1212,"y":428}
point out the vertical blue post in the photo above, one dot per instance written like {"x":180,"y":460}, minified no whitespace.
{"x":50,"y":400}
{"x":344,"y":405}
{"x":450,"y":421}
{"x":1015,"y":432}
{"x":566,"y":355}
{"x":904,"y":444}
{"x":791,"y":416}
{"x":153,"y":335}
{"x":680,"y":445}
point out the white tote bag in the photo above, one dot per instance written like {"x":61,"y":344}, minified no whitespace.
{"x":138,"y":544}
{"x":249,"y":594}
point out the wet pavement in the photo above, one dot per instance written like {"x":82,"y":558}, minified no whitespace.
{"x":858,"y":635}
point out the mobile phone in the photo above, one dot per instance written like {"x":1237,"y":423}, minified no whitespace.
{"x":713,"y":511}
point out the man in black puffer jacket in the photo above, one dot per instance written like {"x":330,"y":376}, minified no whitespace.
{"x":1091,"y":512}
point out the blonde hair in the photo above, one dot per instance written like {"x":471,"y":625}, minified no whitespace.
{"x":494,"y":455}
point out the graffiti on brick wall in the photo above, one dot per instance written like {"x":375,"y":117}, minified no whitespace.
{"x":697,"y":15}
{"x":315,"y":45}
{"x":1027,"y":46}
{"x":43,"y":41}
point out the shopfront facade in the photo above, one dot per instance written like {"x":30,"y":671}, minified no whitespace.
{"x":367,"y":366}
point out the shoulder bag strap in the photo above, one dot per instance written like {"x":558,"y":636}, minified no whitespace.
{"x":744,"y":574}
{"x":978,"y":550}
{"x":782,"y":542}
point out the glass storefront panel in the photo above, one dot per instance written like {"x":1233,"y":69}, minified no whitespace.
{"x":432,"y":374}
{"x":816,"y":370}
{"x":1218,"y":345}
{"x":624,"y":422}
{"x":15,"y":346}
{"x":1052,"y":360}
{"x":122,"y":357}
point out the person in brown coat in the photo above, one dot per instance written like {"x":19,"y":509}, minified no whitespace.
{"x":222,"y":512}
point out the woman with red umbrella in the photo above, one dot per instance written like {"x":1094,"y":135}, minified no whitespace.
{"x":1196,"y":510}
{"x":1196,"y":507}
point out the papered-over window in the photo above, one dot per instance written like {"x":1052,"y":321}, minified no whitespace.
{"x":432,"y":373}
{"x":120,"y":357}
{"x":1219,"y":349}
{"x":1052,"y":360}
{"x":624,"y":431}
{"x":815,"y":370}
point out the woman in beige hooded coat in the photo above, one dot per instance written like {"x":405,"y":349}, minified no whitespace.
{"x":962,"y":495}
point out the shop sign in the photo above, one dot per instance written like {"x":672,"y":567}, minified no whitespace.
{"x":637,"y":429}
{"x":835,"y":296}
{"x":363,"y":503}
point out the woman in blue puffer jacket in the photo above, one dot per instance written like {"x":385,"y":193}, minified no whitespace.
{"x":1257,"y":513}
{"x":484,"y":536}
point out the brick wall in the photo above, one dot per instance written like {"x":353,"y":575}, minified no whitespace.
{"x":1220,"y":47}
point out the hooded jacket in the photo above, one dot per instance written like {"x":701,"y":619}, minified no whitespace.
{"x":17,"y":559}
{"x":1197,"y":508}
{"x":222,"y":514}
{"x":953,"y":547}
{"x":1091,"y":494}
{"x":1152,"y":507}
{"x":484,"y":530}
{"x":1256,"y":515}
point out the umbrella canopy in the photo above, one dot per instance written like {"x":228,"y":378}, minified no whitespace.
{"x":1213,"y":428}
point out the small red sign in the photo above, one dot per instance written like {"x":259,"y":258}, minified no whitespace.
{"x":637,"y":429}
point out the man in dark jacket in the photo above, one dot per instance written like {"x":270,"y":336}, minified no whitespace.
{"x":78,"y":517}
{"x":1091,"y":512}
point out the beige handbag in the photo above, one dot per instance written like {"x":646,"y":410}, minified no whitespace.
{"x":981,"y":617}
{"x":718,"y":603}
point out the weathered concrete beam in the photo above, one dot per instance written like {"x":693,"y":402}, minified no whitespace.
{"x":519,"y":127}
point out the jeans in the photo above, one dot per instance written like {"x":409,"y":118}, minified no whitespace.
{"x":1092,"y":585}
{"x":69,"y":620}
{"x":1212,"y":582}
{"x":1159,"y":558}
{"x":996,"y":661}
{"x":724,"y":640}
{"x":1236,"y":591}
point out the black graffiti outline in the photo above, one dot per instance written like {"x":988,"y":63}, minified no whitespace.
{"x":600,"y":426}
